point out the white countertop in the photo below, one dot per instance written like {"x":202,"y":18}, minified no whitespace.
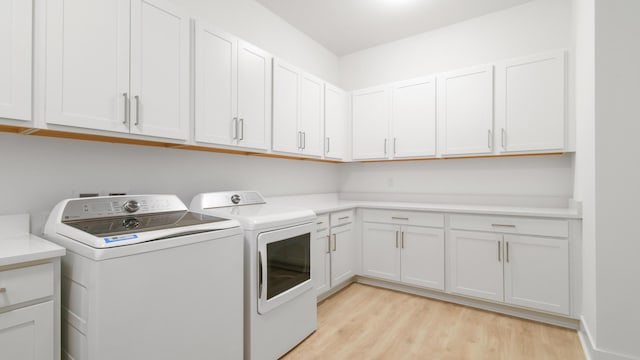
{"x":324,"y":203}
{"x":17,"y":245}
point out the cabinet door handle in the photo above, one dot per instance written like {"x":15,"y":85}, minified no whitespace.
{"x":504,"y":225}
{"x":397,"y":238}
{"x":343,"y":218}
{"x":299,"y":140}
{"x":137,"y":98}
{"x":385,"y":147}
{"x":241,"y":136}
{"x":499,"y":251}
{"x":402,"y":239}
{"x":126,"y":108}
{"x":235,"y":128}
{"x":335,"y":242}
{"x":304,"y":140}
{"x":507,"y":251}
{"x":328,"y":244}
{"x":399,"y":218}
{"x":489,"y":139}
{"x":328,"y":144}
{"x":394,"y":145}
{"x":503,"y":139}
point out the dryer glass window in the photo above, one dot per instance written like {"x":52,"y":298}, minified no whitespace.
{"x":288,"y":264}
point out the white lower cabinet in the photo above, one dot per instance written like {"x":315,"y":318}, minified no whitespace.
{"x":409,"y":254}
{"x":522,"y":270}
{"x":27,"y":333}
{"x":334,"y":252}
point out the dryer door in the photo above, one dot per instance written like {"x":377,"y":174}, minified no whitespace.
{"x":284,"y":265}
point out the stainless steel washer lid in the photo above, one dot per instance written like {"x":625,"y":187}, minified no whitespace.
{"x":112,"y":221}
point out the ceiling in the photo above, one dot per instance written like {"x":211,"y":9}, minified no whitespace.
{"x":346,"y":26}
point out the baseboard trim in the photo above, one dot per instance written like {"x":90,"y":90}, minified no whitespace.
{"x":591,"y":351}
{"x":478,"y":304}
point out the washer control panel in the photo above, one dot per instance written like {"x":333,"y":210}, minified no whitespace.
{"x":108,"y":206}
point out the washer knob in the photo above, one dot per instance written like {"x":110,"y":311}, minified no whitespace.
{"x":131,"y":223}
{"x":235,"y":199}
{"x":131,"y":206}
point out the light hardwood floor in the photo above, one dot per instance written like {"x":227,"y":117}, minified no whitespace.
{"x":365,"y":322}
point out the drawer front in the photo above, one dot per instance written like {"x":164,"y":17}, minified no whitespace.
{"x":25,"y":284}
{"x":341,"y":218}
{"x":322,"y":222}
{"x":511,"y":225}
{"x":414,"y":218}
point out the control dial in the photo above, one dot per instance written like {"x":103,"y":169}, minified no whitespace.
{"x":235,"y":199}
{"x":131,"y":206}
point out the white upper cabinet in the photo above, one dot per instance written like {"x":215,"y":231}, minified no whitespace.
{"x":15,"y":62}
{"x":232,"y":96}
{"x":465,"y":111}
{"x":413,"y":113}
{"x":118,"y":65}
{"x":87,"y":64}
{"x":159,"y":69}
{"x":530,"y":103}
{"x":371,"y":123}
{"x":298,"y":107}
{"x":336,"y":115}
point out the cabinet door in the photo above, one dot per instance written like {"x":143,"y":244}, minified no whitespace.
{"x":475,"y":264}
{"x":336,"y":115}
{"x":530,"y":103}
{"x":254,"y":96}
{"x":465,"y":111}
{"x":27,"y":333}
{"x":311,"y":121}
{"x":87,"y":64}
{"x":370,"y":124}
{"x":423,"y":257}
{"x":537,"y":273}
{"x":15,"y":63}
{"x":413,"y":118}
{"x":286,"y":81}
{"x":159,"y":69}
{"x":215,"y":85}
{"x":381,"y":251}
{"x":342,"y":254}
{"x":322,"y":262}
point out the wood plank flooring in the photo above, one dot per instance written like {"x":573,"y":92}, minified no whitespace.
{"x":365,"y":322}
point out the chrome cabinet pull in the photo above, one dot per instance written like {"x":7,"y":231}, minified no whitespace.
{"x":241,"y":129}
{"x":137,"y":98}
{"x":385,"y":147}
{"x":399,"y":218}
{"x":402,"y":239}
{"x":328,"y":244}
{"x":499,"y":251}
{"x":489,"y":139}
{"x":335,"y":242}
{"x":235,"y":128}
{"x":502,"y":138}
{"x":126,"y":108}
{"x":394,"y":145}
{"x":397,"y":239}
{"x":507,"y":251}
{"x":343,"y":218}
{"x":304,"y":140}
{"x":328,"y":144}
{"x":299,"y":140}
{"x":504,"y":225}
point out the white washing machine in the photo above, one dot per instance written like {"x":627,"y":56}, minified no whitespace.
{"x":144,"y":278}
{"x":280,"y":304}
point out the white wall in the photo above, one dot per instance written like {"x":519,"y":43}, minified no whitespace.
{"x":539,"y":181}
{"x":533,"y":27}
{"x":584,"y":189}
{"x":254,"y":23}
{"x":37,"y":172}
{"x":617,"y":126}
